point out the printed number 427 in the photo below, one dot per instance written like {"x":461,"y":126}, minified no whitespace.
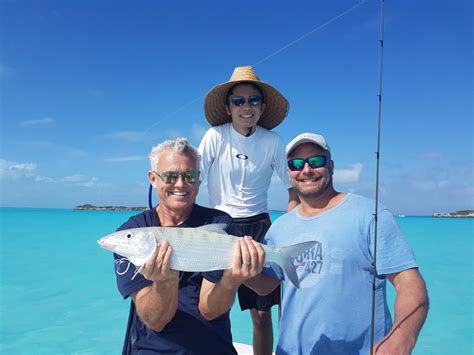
{"x":314,"y":267}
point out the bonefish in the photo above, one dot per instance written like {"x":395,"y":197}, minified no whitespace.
{"x":200,"y":249}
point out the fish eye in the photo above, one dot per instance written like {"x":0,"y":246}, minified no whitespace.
{"x":129,"y":236}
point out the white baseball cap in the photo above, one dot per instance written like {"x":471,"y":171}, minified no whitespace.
{"x":307,"y":138}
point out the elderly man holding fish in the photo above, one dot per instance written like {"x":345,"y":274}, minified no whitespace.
{"x":170,"y":310}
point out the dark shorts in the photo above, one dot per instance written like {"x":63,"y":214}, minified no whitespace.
{"x":256,"y":227}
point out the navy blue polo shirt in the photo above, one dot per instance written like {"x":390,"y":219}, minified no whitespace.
{"x":188,"y":332}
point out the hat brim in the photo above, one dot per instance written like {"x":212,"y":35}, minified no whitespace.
{"x":276,"y":105}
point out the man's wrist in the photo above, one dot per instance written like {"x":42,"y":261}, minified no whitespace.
{"x":229,"y":284}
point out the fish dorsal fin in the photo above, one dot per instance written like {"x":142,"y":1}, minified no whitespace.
{"x":214,"y":227}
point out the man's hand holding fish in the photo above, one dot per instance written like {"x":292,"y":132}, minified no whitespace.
{"x":157,"y":268}
{"x":248,"y":260}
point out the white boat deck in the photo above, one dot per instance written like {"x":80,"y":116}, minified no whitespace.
{"x":244,"y":349}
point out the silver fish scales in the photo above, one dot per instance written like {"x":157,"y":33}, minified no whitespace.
{"x":201,"y":249}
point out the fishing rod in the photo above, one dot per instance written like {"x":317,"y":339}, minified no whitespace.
{"x":377,"y":173}
{"x":150,"y":197}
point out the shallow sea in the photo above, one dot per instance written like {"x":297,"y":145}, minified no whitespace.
{"x":58,"y":294}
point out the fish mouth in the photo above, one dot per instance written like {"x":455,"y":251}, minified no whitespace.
{"x":105,"y":245}
{"x":101,"y":242}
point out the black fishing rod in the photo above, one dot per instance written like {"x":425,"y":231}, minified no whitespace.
{"x":150,"y":197}
{"x":377,"y":153}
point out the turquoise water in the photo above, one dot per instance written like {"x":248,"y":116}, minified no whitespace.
{"x":58,"y":293}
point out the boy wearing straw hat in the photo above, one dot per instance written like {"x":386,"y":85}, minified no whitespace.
{"x":239,"y":155}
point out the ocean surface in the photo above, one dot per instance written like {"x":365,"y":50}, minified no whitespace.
{"x":58,"y":293}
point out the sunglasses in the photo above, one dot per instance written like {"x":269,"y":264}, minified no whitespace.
{"x":170,"y":177}
{"x":298,"y":164}
{"x":240,"y":100}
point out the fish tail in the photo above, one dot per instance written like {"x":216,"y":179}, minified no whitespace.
{"x":292,"y":251}
{"x":284,"y":256}
{"x":290,"y":271}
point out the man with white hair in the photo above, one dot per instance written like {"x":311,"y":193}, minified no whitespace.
{"x":169,"y":312}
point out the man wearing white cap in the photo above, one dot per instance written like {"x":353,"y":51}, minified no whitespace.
{"x":239,"y":155}
{"x":331,"y":313}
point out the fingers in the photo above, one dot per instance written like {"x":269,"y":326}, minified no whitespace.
{"x":244,"y":259}
{"x":246,"y":253}
{"x":157,"y":262}
{"x":166,"y":262}
{"x":158,"y":266}
{"x":237,"y":259}
{"x":260,"y":255}
{"x":253,"y":255}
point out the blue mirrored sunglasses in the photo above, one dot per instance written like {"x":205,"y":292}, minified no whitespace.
{"x":314,"y":162}
{"x":240,"y":100}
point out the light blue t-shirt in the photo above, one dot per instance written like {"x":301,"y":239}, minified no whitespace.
{"x":331,"y":313}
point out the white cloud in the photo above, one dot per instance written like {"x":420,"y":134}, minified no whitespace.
{"x":127,"y":136}
{"x":46,"y":121}
{"x":125,"y":159}
{"x":14,"y":170}
{"x":348,"y":175}
{"x":44,"y":179}
{"x":75,"y":180}
{"x":430,"y":181}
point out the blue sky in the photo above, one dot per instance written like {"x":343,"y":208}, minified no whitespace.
{"x":88,"y":87}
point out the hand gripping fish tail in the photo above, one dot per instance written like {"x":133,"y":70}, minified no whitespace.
{"x":283,"y":256}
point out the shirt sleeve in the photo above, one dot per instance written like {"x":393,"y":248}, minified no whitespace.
{"x":213,"y":276}
{"x":125,"y":270}
{"x":280,"y":164}
{"x":393,"y":252}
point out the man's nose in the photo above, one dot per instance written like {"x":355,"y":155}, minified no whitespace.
{"x":306,"y":168}
{"x":246,"y":104}
{"x":180,"y":181}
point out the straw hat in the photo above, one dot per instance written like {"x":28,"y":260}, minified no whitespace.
{"x":276,"y":106}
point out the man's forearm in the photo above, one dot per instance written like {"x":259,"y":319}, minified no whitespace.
{"x":157,"y":304}
{"x":411,"y":308}
{"x":216,"y":299}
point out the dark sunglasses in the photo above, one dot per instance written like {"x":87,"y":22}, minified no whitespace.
{"x":240,"y":100}
{"x":297,"y":164}
{"x":170,"y":177}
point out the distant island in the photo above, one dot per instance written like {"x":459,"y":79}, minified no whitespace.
{"x":89,"y":207}
{"x":457,"y":214}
